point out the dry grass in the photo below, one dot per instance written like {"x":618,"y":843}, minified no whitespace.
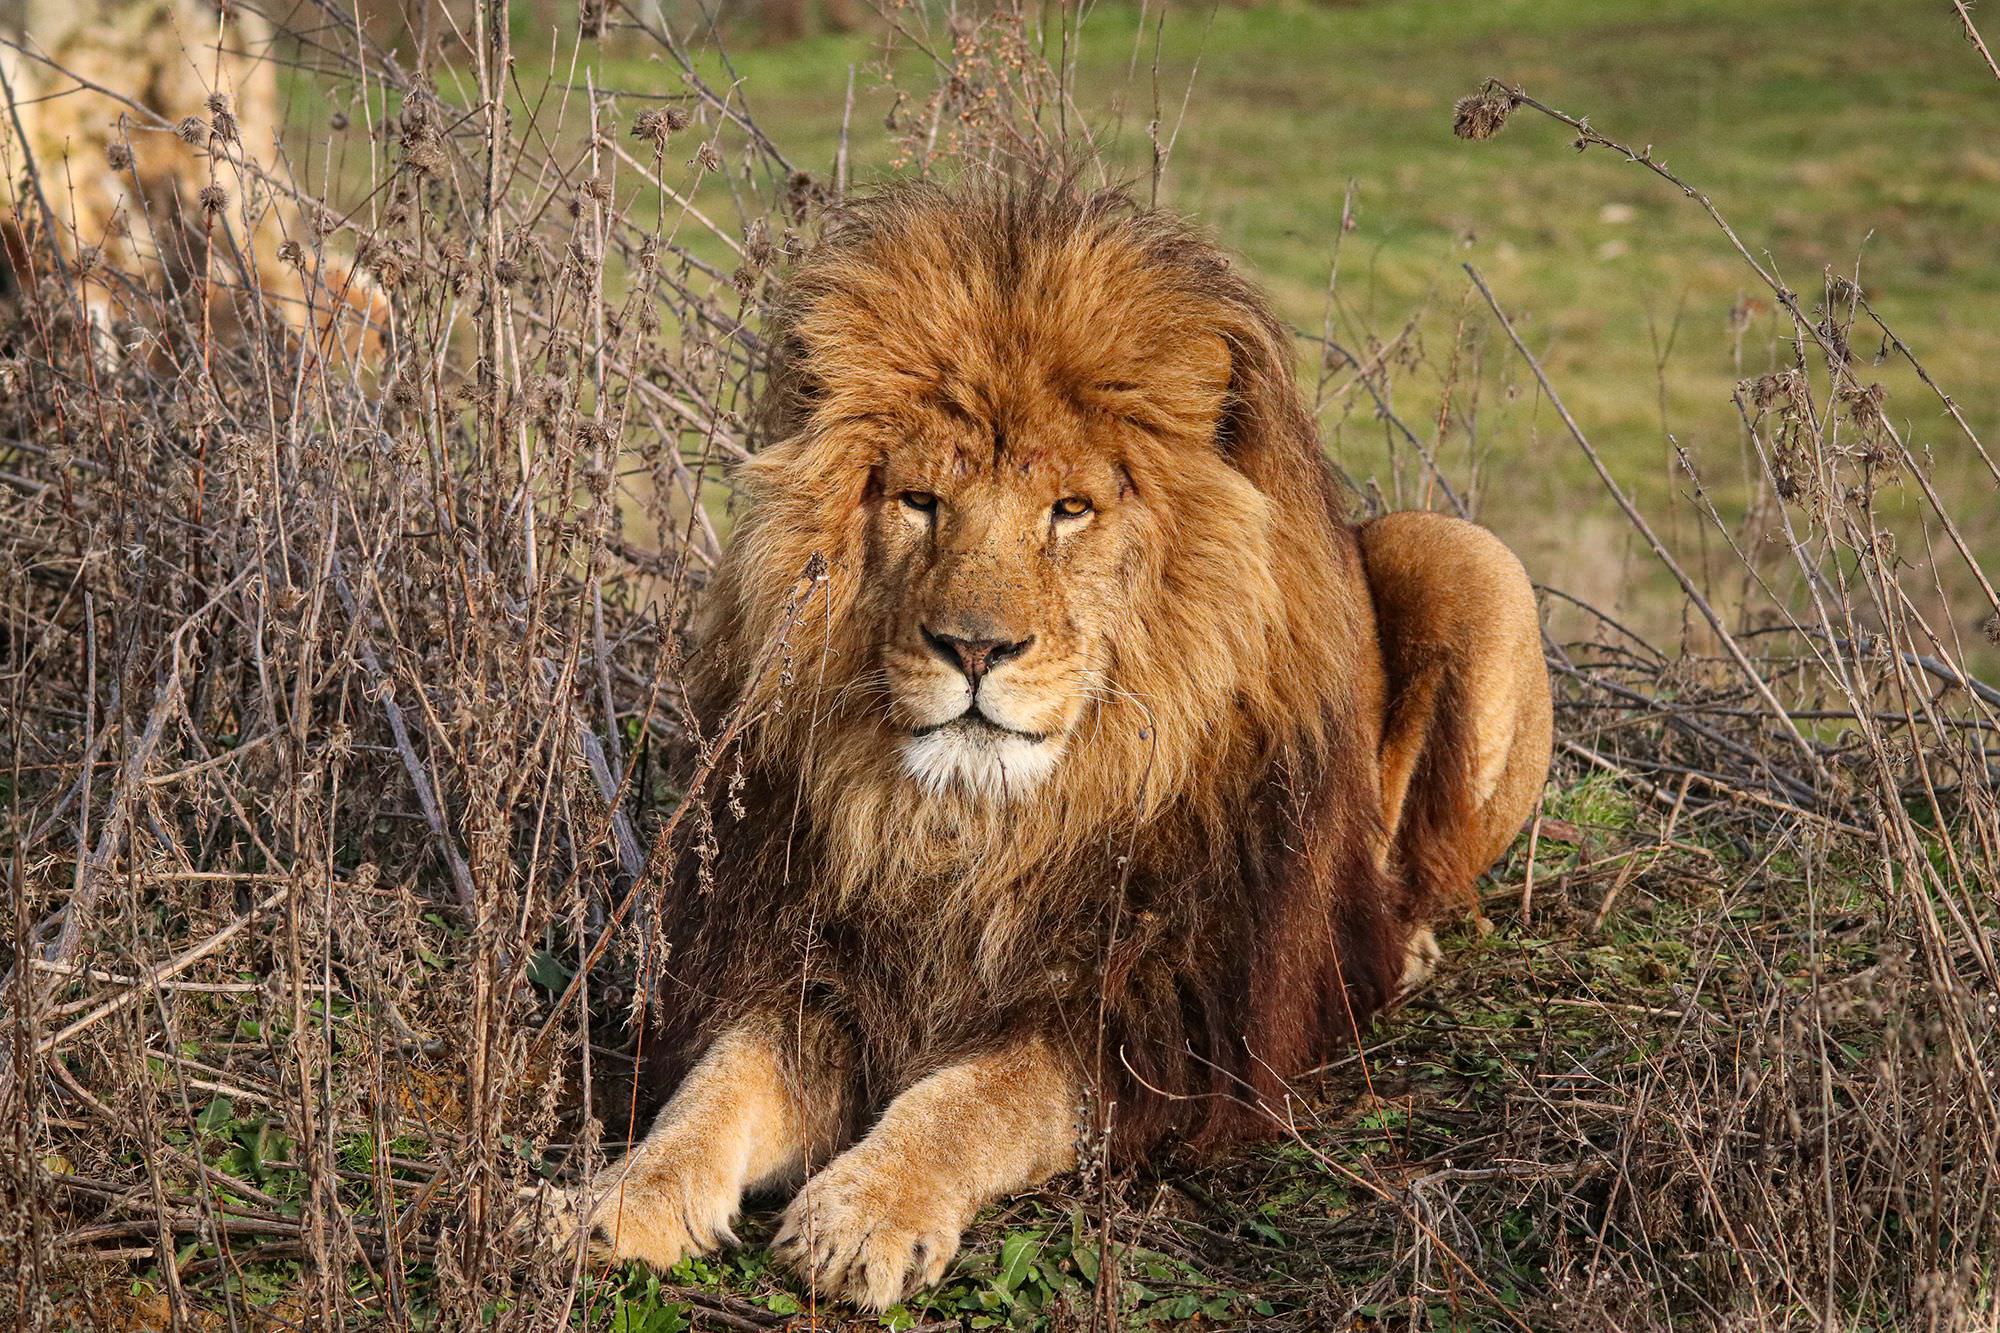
{"x":344,"y":737}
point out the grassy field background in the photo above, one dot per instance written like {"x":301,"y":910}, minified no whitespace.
{"x":1860,"y":137}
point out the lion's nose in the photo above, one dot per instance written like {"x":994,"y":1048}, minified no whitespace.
{"x":975,"y":657}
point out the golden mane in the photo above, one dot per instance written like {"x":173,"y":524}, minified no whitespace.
{"x":1250,"y":631}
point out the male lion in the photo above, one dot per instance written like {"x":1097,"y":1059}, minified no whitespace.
{"x":1116,"y":779}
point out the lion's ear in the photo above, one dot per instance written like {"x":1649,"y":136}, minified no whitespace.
{"x":1259,"y":407}
{"x":1201,"y":368}
{"x":1210,"y":366}
{"x":791,"y":391}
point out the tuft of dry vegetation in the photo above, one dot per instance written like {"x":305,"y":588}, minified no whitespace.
{"x":343,"y":741}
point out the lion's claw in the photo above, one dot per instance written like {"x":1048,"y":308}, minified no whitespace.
{"x":856,"y":1235}
{"x":658,"y":1213}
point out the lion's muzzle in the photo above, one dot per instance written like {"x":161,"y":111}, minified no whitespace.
{"x":980,"y":717}
{"x":974,"y":656}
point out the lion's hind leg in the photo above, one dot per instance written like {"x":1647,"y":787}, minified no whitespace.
{"x":1465,"y":747}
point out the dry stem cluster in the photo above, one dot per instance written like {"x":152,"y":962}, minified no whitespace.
{"x":342,"y":735}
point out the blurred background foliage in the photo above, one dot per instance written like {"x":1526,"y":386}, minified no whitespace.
{"x":1856,"y":138}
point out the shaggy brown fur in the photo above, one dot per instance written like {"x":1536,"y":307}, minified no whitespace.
{"x":1223,"y":756}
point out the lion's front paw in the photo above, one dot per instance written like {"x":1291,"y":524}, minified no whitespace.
{"x":657,"y":1211}
{"x":869,"y":1232}
{"x":1420,"y":958}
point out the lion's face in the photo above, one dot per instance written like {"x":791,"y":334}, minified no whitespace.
{"x":1051,"y":464}
{"x":995,"y":592}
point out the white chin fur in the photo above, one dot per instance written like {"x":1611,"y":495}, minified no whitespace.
{"x":979,"y":762}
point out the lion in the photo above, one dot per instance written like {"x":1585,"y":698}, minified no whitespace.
{"x":1113,"y":778}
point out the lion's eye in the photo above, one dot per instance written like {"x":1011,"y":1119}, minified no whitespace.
{"x":921,"y":501}
{"x":1072,"y":506}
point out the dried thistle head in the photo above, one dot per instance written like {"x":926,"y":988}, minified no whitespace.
{"x":1483,"y":114}
{"x":224,"y":126}
{"x":1864,"y":403}
{"x":651,"y":126}
{"x":757,"y":247}
{"x":595,"y":435}
{"x":213,"y":198}
{"x":422,"y":155}
{"x":193,"y":130}
{"x":386,"y":262}
{"x":118,"y":155}
{"x":421,"y":112}
{"x":1992,"y":628}
{"x":291,"y":252}
{"x":1771,"y":388}
{"x":218,"y":102}
{"x":403,"y":397}
{"x":423,"y":150}
{"x":802,"y":192}
{"x":708,"y":157}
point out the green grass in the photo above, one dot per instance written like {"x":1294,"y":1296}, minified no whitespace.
{"x":1577,"y":1001}
{"x":1858,"y":137}
{"x":1837,"y":136}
